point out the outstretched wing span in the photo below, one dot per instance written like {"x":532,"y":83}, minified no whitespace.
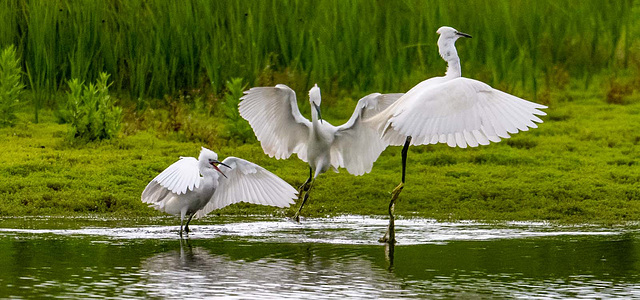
{"x":459,"y":112}
{"x":248,"y":182}
{"x":276,"y":120}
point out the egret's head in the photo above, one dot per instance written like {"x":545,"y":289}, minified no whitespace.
{"x":314,"y":95}
{"x":449,"y":33}
{"x":447,"y":40}
{"x":210,"y":160}
{"x":315,"y":99}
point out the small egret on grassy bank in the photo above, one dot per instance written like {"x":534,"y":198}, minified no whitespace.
{"x":451,"y":109}
{"x":281,"y":129}
{"x":195,"y":187}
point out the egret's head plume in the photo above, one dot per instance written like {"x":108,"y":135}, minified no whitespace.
{"x":210,"y":160}
{"x":207,"y":154}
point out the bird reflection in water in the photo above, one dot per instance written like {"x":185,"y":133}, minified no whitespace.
{"x":389,"y":252}
{"x":258,"y":270}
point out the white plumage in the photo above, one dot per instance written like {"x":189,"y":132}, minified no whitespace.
{"x":194,"y":187}
{"x":455,"y":110}
{"x":451,"y":109}
{"x":276,"y":120}
{"x":281,"y":129}
{"x":459,"y":112}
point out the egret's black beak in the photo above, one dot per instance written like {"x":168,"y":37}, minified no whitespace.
{"x":214,"y":162}
{"x":221,"y":163}
{"x":462,"y":34}
{"x":318,"y":111}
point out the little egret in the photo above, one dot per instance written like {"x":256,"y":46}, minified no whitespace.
{"x":194,"y":187}
{"x":281,"y":129}
{"x":451,"y":109}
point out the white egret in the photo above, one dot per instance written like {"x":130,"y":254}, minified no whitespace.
{"x":194,"y":187}
{"x":451,"y":109}
{"x":281,"y":129}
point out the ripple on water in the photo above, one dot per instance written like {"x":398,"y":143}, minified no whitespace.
{"x":339,"y":230}
{"x":325,"y":258}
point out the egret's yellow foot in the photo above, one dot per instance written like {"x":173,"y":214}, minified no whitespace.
{"x":296,"y":217}
{"x":390,"y":236}
{"x":396,"y":192}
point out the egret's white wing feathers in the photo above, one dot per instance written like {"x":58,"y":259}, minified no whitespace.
{"x":248,"y":182}
{"x":276,"y":120}
{"x":356,"y":147}
{"x":459,"y":112}
{"x":180,"y":177}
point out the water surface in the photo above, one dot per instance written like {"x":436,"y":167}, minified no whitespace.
{"x":259,"y":257}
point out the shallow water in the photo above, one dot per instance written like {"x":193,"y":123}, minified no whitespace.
{"x":258,"y":257}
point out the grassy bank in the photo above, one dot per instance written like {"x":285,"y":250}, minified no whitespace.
{"x":581,"y":165}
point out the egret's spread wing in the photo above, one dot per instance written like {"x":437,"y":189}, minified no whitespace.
{"x":356,"y":147}
{"x":275,"y":118}
{"x":178,"y":178}
{"x":248,"y":182}
{"x":461,"y":112}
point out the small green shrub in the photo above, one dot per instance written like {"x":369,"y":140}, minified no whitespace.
{"x":11,"y":86}
{"x":237,"y":128}
{"x":619,"y":91}
{"x":91,"y":111}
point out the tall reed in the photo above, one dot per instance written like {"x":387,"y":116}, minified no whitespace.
{"x":156,"y":47}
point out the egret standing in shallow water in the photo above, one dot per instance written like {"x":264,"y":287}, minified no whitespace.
{"x":195,"y":187}
{"x":451,"y":109}
{"x":281,"y":129}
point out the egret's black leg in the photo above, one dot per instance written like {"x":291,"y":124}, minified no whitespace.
{"x":296,"y":217}
{"x":405,"y":150}
{"x":186,"y":227}
{"x":305,"y":186}
{"x":390,"y":236}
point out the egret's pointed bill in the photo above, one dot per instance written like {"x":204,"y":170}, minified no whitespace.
{"x":463,"y":34}
{"x":318,"y":110}
{"x":213,"y":164}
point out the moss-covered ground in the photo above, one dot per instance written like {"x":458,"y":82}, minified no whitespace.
{"x":581,"y":165}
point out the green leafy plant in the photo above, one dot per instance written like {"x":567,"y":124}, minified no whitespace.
{"x":237,"y":128}
{"x":91,"y":111}
{"x":11,"y":86}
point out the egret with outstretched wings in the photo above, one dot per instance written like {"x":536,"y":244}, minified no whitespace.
{"x":195,"y":187}
{"x":281,"y":129}
{"x":451,"y":109}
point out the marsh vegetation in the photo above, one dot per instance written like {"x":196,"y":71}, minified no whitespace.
{"x":177,"y":68}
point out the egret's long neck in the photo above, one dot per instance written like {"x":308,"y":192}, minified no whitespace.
{"x":448,"y":52}
{"x":208,"y":173}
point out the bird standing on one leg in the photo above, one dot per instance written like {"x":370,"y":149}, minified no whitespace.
{"x":451,"y":109}
{"x":281,"y":129}
{"x":194,"y":187}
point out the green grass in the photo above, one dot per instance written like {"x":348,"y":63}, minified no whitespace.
{"x":581,"y":165}
{"x":155,"y":47}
